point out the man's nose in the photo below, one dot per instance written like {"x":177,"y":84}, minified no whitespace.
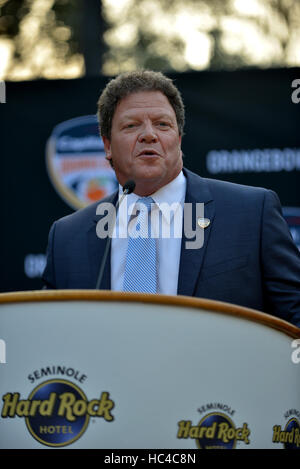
{"x":148,"y":134}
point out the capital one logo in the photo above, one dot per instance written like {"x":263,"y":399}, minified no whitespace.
{"x":2,"y":92}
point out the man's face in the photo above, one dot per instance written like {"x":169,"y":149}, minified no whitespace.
{"x":145,"y":144}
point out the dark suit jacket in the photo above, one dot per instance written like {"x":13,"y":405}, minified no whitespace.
{"x":248,"y":257}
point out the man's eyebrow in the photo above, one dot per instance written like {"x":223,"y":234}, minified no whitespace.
{"x":130,"y":114}
{"x":164,"y":116}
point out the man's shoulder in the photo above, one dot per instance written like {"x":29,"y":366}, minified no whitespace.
{"x":216,"y":188}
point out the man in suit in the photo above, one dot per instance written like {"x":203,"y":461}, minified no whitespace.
{"x":248,"y":256}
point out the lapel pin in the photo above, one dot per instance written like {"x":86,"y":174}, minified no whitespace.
{"x":203,"y":222}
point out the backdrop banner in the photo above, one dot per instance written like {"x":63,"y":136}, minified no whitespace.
{"x":241,"y":126}
{"x":122,"y":370}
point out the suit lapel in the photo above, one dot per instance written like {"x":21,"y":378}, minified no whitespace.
{"x":96,"y":248}
{"x":191,"y":260}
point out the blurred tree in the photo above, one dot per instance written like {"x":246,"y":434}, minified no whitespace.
{"x":49,"y":36}
{"x":198,"y":34}
{"x":39,"y":33}
{"x":67,"y":38}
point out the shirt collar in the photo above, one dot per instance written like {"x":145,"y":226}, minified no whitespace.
{"x":173,"y":192}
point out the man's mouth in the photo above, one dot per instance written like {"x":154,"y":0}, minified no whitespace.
{"x":148,"y":153}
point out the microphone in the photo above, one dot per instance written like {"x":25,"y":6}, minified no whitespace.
{"x":128,"y":187}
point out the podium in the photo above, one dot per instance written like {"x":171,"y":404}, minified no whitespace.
{"x":101,"y":369}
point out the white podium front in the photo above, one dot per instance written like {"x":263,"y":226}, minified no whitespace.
{"x":99,"y":369}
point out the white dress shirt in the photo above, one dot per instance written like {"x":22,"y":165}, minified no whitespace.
{"x":168,"y":248}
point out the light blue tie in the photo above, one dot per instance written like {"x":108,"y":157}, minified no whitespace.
{"x":140,"y":271}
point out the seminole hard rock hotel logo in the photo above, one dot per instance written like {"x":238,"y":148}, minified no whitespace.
{"x":57,"y":412}
{"x":215,"y":430}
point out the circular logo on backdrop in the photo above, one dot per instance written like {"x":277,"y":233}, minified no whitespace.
{"x":292,"y":429}
{"x":289,"y":435}
{"x":220,"y":432}
{"x":60,"y":421}
{"x":216,"y":430}
{"x":57,"y":412}
{"x":76,"y":162}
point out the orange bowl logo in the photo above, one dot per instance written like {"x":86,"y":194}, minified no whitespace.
{"x":76,"y":162}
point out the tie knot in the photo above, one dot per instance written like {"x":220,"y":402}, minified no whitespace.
{"x":145,"y":202}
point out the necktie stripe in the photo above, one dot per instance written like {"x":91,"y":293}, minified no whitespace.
{"x":140,"y":270}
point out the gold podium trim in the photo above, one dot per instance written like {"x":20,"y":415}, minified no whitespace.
{"x":176,"y":301}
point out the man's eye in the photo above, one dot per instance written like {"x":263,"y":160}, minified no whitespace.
{"x":129,"y":126}
{"x":163,"y":124}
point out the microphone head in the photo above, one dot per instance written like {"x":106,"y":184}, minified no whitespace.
{"x":129,"y":186}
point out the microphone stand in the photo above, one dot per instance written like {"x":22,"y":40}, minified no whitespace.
{"x":127,"y":189}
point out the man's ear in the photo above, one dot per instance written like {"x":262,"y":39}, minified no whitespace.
{"x":180,"y":149}
{"x":107,"y":147}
